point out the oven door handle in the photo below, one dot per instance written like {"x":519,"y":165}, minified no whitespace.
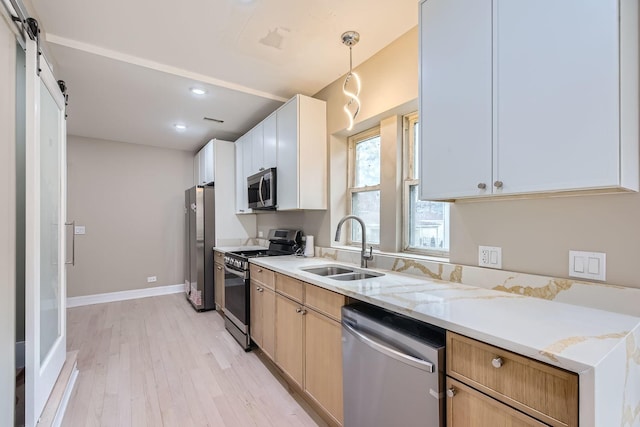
{"x":234,"y":272}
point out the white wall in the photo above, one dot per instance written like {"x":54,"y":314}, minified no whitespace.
{"x":7,"y":221}
{"x":130,"y":198}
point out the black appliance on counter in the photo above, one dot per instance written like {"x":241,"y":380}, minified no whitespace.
{"x":236,"y":280}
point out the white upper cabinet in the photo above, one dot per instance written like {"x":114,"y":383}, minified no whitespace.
{"x":301,"y":173}
{"x":528,"y":96}
{"x":204,"y":165}
{"x":269,"y":141}
{"x":243,"y":159}
{"x":257,"y":144}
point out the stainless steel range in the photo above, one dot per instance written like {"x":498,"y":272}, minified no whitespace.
{"x":236,"y":280}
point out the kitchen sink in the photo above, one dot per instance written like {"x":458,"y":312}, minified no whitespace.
{"x":328,"y":270}
{"x":356,"y":276}
{"x":339,"y":272}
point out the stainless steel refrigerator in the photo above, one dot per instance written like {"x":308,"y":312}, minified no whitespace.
{"x":199,"y":210}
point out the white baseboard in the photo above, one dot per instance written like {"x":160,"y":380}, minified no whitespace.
{"x":123,"y":295}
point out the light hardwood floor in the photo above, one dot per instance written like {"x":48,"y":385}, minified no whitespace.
{"x":156,"y":362}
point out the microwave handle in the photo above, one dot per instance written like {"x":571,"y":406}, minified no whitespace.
{"x":260,"y":190}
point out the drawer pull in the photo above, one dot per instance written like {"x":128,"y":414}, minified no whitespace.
{"x":259,"y":270}
{"x":451,"y":392}
{"x":482,"y":186}
{"x":298,"y":310}
{"x":497,"y":362}
{"x":219,"y":268}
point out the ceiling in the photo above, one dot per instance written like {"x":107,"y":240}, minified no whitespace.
{"x":129,"y":65}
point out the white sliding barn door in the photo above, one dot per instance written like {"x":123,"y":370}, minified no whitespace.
{"x":45,"y":233}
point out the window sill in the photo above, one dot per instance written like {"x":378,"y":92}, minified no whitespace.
{"x":410,"y":255}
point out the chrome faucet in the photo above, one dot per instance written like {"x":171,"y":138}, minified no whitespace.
{"x":364,"y":257}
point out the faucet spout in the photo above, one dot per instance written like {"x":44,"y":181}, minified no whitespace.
{"x":364,"y":256}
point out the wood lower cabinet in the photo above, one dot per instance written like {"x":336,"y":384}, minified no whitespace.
{"x":218,"y":287}
{"x":323,"y":362}
{"x":263,"y":309}
{"x":544,"y":392}
{"x":289,"y":338}
{"x":469,"y":407}
{"x":262,"y":315}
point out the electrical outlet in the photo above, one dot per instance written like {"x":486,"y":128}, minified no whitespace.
{"x":151,"y":279}
{"x":490,"y":256}
{"x":588,"y":265}
{"x":260,"y":234}
{"x":79,"y":230}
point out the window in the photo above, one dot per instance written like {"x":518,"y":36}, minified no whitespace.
{"x":426,"y":224}
{"x":364,"y":184}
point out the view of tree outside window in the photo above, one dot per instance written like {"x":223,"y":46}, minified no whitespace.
{"x":426,"y":223}
{"x":365,"y":185}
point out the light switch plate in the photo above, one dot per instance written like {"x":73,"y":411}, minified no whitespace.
{"x":490,"y":256}
{"x":588,"y":265}
{"x":79,"y":229}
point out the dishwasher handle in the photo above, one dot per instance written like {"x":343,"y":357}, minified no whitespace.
{"x":391,"y":352}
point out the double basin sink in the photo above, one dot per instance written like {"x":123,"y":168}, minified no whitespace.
{"x":341,"y":272}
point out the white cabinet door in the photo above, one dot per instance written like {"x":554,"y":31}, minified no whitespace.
{"x":209,"y":162}
{"x":241,"y":178}
{"x":287,"y":173}
{"x":257,"y":159}
{"x":557,"y":109}
{"x":270,"y":141}
{"x":455,"y":98}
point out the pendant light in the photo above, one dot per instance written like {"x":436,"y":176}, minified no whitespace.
{"x":352,"y":81}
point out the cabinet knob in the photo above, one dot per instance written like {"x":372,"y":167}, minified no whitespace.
{"x":259,"y":270}
{"x":219,"y":268}
{"x":298,"y":310}
{"x":451,"y":392}
{"x":482,"y":186}
{"x":497,"y":362}
{"x":498,"y":184}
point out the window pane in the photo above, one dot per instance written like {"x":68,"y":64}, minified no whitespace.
{"x":368,"y":162}
{"x":428,"y":223}
{"x":366,"y":205}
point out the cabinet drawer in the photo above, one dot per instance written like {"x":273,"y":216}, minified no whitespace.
{"x":290,"y":287}
{"x":262,"y":275}
{"x":542,"y":391}
{"x":468,"y":407}
{"x":324,"y":301}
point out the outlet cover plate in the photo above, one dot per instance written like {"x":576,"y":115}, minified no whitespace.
{"x":151,"y":279}
{"x":588,"y":265}
{"x":490,"y":256}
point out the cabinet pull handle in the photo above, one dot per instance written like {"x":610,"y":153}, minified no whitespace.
{"x":482,"y":186}
{"x":258,"y":288}
{"x":451,"y":392}
{"x":259,"y":270}
{"x":219,"y":268}
{"x":497,"y":362}
{"x":298,"y":310}
{"x":303,"y":312}
{"x":498,"y":184}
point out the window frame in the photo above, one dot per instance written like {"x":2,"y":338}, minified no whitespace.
{"x":352,"y":141}
{"x":411,"y":179}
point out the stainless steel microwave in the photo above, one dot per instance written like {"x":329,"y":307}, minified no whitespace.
{"x":261,"y":190}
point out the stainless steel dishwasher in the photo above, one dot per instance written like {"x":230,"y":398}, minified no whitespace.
{"x":393,"y":369}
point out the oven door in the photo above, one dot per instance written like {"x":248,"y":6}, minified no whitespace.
{"x":236,"y":298}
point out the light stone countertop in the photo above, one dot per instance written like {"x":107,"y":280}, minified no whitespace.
{"x":238,"y":248}
{"x":599,"y":345}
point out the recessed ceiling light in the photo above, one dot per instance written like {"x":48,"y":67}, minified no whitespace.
{"x":180,"y":127}
{"x":197,"y":91}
